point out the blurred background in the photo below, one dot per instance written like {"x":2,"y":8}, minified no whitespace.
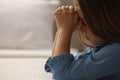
{"x":27,"y":31}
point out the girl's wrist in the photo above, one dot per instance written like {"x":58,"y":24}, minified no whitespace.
{"x":65,"y":30}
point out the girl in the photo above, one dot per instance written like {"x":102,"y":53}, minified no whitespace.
{"x":98,"y":23}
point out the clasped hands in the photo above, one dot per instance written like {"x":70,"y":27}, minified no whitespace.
{"x":67,"y":18}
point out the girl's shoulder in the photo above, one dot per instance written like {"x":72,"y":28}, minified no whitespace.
{"x":112,"y":46}
{"x":111,"y":49}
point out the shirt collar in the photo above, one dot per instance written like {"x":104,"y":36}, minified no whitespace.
{"x":98,"y":47}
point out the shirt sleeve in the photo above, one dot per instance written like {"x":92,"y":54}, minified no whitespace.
{"x":58,"y":59}
{"x":88,"y":67}
{"x":67,"y":56}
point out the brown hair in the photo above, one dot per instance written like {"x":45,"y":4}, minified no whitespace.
{"x":102,"y":17}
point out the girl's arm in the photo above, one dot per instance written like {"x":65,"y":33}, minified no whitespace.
{"x":62,"y":42}
{"x":64,"y":17}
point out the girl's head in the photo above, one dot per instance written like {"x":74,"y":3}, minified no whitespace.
{"x":101,"y":19}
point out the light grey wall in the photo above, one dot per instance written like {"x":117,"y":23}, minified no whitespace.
{"x":26,"y":24}
{"x":66,"y":2}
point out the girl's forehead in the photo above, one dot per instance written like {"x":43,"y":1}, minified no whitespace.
{"x":75,"y":1}
{"x":78,"y":9}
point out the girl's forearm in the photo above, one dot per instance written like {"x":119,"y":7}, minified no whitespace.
{"x":62,"y":42}
{"x":54,"y":43}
